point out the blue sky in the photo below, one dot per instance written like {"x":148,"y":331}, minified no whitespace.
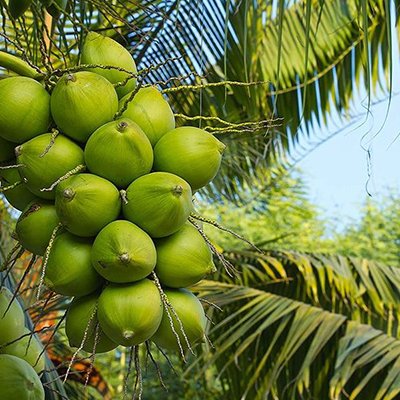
{"x":337,"y":171}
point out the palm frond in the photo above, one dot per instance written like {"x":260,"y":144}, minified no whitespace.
{"x":292,"y":348}
{"x":304,"y":326}
{"x":310,"y":56}
{"x":357,"y":288}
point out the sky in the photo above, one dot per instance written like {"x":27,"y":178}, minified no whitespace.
{"x":337,"y":172}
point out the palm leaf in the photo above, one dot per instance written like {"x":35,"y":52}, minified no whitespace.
{"x":311,"y":55}
{"x":304,"y":326}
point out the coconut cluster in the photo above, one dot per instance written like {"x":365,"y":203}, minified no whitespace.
{"x":105,"y":182}
{"x":21,"y":356}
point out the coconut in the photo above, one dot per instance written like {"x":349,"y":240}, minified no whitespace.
{"x":36,"y":225}
{"x":6,"y":150}
{"x":122,"y":252}
{"x":19,"y":197}
{"x":82,"y":102}
{"x":151,"y":112}
{"x":183,"y":258}
{"x":191,"y":153}
{"x":69,"y":270}
{"x":25,"y":109}
{"x":29,"y":349}
{"x":130,"y":313}
{"x":56,"y":6}
{"x":120,"y":152}
{"x":86,"y":203}
{"x":191,"y":314}
{"x":18,"y":7}
{"x":44,"y":162}
{"x":18,"y":380}
{"x":159,"y":203}
{"x":78,"y":321}
{"x":12,"y":323}
{"x":98,"y":49}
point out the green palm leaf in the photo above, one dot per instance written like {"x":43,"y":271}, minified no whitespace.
{"x":304,"y":326}
{"x":311,"y":56}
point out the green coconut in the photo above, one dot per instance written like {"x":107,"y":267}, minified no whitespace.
{"x":79,"y":320}
{"x":183,"y":258}
{"x":151,"y":112}
{"x":12,"y":322}
{"x":159,"y":203}
{"x":18,"y":380}
{"x":120,"y":152}
{"x":29,"y":349}
{"x":36,"y":225}
{"x":191,"y":153}
{"x":69,"y":269}
{"x":25,"y":109}
{"x":191,"y":314}
{"x":43,"y":165}
{"x":81,"y":103}
{"x":98,"y":49}
{"x":86,"y":203}
{"x":122,"y":252}
{"x":56,"y":7}
{"x":18,"y":7}
{"x":130,"y":313}
{"x":20,"y":196}
{"x":6,"y":150}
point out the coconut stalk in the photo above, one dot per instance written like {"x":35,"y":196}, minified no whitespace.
{"x":19,"y":66}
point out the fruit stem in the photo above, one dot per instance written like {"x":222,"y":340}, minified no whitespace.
{"x":124,"y":258}
{"x":18,"y":151}
{"x":221,"y":147}
{"x":124,"y":196}
{"x":177,"y":190}
{"x":121,"y":126}
{"x":20,"y":67}
{"x":128,"y":334}
{"x":69,"y":194}
{"x":71,"y":78}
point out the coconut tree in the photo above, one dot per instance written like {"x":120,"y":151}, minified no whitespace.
{"x":260,"y":75}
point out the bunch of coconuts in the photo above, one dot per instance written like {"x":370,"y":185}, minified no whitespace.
{"x":105,"y":181}
{"x":21,"y":355}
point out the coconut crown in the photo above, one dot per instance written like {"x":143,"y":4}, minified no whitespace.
{"x":69,"y":270}
{"x":20,"y":196}
{"x":130,"y":313}
{"x":122,"y":252}
{"x":81,"y":102}
{"x":35,"y":226}
{"x":18,"y":380}
{"x":191,"y":153}
{"x":183,"y":258}
{"x":86,"y":203}
{"x":42,"y":166}
{"x":12,"y":323}
{"x":124,"y":138}
{"x":25,"y":109}
{"x":159,"y":203}
{"x":29,"y":349}
{"x":18,"y":7}
{"x":80,"y":319}
{"x":191,"y":314}
{"x":98,"y":49}
{"x":150,"y":111}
